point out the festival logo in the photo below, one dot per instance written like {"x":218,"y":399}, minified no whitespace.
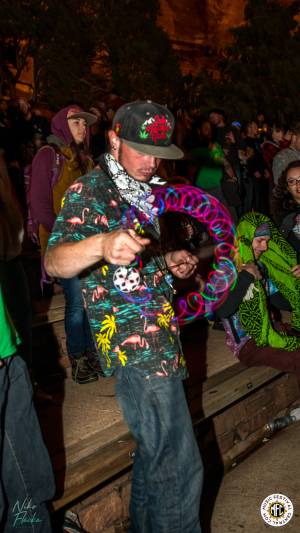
{"x":277,"y":510}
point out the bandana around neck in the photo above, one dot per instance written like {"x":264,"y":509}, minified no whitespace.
{"x":136,"y":193}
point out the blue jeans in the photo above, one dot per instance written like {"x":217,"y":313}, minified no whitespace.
{"x":25,"y":469}
{"x":78,"y":331}
{"x":167,"y":471}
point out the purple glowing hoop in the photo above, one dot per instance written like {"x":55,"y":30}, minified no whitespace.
{"x":214,"y":216}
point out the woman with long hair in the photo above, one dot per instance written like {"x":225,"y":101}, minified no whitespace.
{"x":54,"y":169}
{"x":285,"y":205}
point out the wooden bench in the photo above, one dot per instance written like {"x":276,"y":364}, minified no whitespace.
{"x":106,"y":454}
{"x":49,"y":311}
{"x":100,"y":455}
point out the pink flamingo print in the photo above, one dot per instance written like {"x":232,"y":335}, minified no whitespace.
{"x":78,"y":220}
{"x":176,"y":362}
{"x":151,"y":328}
{"x":157,"y":278}
{"x":101,"y":219}
{"x":136,"y":340}
{"x":164,"y":372}
{"x":76,"y":187}
{"x":99,"y":292}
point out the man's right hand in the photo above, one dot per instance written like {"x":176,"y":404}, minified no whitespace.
{"x":121,"y":247}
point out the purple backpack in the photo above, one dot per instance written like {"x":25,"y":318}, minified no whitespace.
{"x":32,"y":224}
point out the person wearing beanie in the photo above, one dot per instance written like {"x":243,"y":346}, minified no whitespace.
{"x":267,"y":281}
{"x":101,"y":235}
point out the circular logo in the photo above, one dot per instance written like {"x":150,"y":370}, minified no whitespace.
{"x":277,"y":510}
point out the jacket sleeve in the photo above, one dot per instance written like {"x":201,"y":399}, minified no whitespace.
{"x":279,"y":164}
{"x":41,"y":197}
{"x":280,"y":302}
{"x":235,"y":297}
{"x":286,"y":229}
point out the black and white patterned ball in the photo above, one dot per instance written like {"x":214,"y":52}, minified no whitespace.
{"x":126,"y":279}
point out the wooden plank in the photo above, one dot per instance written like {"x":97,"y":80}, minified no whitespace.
{"x":47,"y":311}
{"x":91,"y":462}
{"x":227,"y":391}
{"x":93,"y":444}
{"x":88,"y":473}
{"x":44,"y":304}
{"x":48,"y":317}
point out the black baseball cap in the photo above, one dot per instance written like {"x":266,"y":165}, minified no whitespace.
{"x":147,"y":127}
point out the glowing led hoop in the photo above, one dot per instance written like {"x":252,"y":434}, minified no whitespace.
{"x":214,"y":216}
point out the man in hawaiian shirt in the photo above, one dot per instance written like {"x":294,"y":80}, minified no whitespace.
{"x":101,"y":234}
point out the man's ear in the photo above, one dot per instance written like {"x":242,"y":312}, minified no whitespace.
{"x":114,"y":141}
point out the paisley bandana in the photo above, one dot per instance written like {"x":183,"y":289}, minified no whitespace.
{"x":136,"y":193}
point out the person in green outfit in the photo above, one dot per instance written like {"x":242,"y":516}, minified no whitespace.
{"x":267,"y":280}
{"x":27,"y":481}
{"x":210,"y":169}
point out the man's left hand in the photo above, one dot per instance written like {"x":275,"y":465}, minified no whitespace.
{"x":181,"y":263}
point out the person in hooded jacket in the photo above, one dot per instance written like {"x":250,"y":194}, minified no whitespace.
{"x":54,"y":168}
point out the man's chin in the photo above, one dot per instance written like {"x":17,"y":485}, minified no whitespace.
{"x":144,"y":177}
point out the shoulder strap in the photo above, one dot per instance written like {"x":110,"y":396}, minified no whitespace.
{"x":58,"y":161}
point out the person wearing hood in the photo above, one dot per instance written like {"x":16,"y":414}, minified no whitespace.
{"x":267,"y":279}
{"x":54,"y":168}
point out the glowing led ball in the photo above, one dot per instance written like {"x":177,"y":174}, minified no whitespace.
{"x":214,"y":216}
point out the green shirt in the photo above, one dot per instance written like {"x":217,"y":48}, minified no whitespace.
{"x":210,"y":166}
{"x":8,"y":336}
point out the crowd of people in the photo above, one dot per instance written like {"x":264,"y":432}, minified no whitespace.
{"x":82,"y":187}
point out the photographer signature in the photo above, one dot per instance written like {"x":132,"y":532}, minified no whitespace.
{"x":24,"y":513}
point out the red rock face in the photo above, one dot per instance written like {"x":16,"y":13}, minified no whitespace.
{"x":198,"y":29}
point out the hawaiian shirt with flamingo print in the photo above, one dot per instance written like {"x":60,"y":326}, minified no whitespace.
{"x":129,"y":307}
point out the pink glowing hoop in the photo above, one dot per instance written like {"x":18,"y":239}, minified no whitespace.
{"x":214,"y":216}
